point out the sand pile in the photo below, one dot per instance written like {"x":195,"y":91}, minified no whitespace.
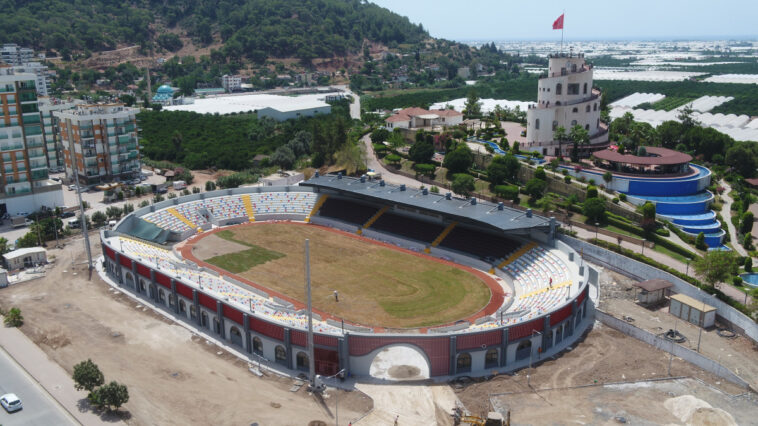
{"x":695,"y":411}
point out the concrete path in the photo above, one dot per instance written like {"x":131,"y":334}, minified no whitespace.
{"x":416,"y":405}
{"x":389,"y":177}
{"x":54,"y":379}
{"x":727,"y":216}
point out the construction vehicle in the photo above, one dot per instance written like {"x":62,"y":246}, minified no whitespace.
{"x":493,"y":419}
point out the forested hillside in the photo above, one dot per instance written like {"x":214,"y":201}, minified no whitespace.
{"x":255,"y":29}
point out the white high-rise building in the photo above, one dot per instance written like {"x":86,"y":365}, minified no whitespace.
{"x":565,"y":97}
{"x":12,"y":54}
{"x":231,"y":83}
{"x":50,"y":129}
{"x":42,"y":73}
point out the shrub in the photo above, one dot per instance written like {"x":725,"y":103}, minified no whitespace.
{"x":210,"y":186}
{"x":700,"y":242}
{"x":582,"y":179}
{"x":195,"y":190}
{"x":171,"y":195}
{"x":110,"y":396}
{"x":663,"y":232}
{"x":535,"y":188}
{"x":748,"y":264}
{"x":737,"y":281}
{"x":434,"y":190}
{"x":87,"y":376}
{"x":540,"y":173}
{"x":99,"y":218}
{"x":591,"y":191}
{"x":564,"y":172}
{"x":746,"y":224}
{"x":14,"y":318}
{"x":594,"y":209}
{"x":567,"y":179}
{"x":615,"y":200}
{"x":622,"y":197}
{"x":144,"y":203}
{"x":591,"y":181}
{"x":747,"y":241}
{"x":509,"y":192}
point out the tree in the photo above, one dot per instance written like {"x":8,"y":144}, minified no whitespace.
{"x":463,"y":184}
{"x":560,"y":136}
{"x":99,"y":219}
{"x":425,"y":169}
{"x":113,"y":212}
{"x":13,"y":318}
{"x":458,"y":161}
{"x":743,"y":161}
{"x":210,"y":186}
{"x":396,"y":139}
{"x":715,"y":266}
{"x":421,"y":151}
{"x":746,"y":225}
{"x":352,"y":157}
{"x":648,"y":216}
{"x":110,"y":396}
{"x":748,"y":264}
{"x":472,"y":108}
{"x":509,"y":192}
{"x":535,"y":188}
{"x":3,"y":245}
{"x":540,"y":173}
{"x":594,"y":209}
{"x":700,"y":242}
{"x":580,"y":137}
{"x":380,"y":135}
{"x":747,"y":241}
{"x":283,"y":157}
{"x":87,"y":376}
{"x":393,"y":159}
{"x":28,"y":240}
{"x":591,"y":192}
{"x":607,"y":177}
{"x":503,"y":168}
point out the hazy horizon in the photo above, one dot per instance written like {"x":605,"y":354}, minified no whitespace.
{"x":592,"y":20}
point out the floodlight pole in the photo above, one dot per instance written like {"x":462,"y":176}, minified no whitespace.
{"x":311,"y":360}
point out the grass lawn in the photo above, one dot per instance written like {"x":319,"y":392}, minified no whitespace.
{"x":669,"y":253}
{"x":377,"y":285}
{"x":241,"y":261}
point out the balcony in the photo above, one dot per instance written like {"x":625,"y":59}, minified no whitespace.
{"x":131,"y":146}
{"x":31,"y":119}
{"x":124,"y":138}
{"x":33,"y":131}
{"x":40,"y":174}
{"x":129,"y":127}
{"x":133,"y":155}
{"x":34,"y":143}
{"x":11,"y":147}
{"x":91,"y":162}
{"x":36,"y":153}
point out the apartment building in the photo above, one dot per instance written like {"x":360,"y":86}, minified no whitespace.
{"x":25,"y":186}
{"x":53,"y":144}
{"x":40,"y":71}
{"x":13,"y":54}
{"x":99,"y":142}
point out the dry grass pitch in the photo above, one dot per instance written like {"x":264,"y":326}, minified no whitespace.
{"x":378,"y":286}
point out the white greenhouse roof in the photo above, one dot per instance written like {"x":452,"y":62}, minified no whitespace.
{"x":605,"y":74}
{"x":637,"y":98}
{"x":488,"y":105}
{"x":733,"y":78}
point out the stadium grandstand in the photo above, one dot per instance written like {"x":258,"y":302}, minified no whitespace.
{"x":542,"y":304}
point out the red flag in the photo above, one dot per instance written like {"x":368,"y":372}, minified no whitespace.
{"x":558,"y":24}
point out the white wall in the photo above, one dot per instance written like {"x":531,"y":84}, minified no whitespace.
{"x":33,"y":202}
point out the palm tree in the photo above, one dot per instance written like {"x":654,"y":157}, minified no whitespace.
{"x":579,"y":136}
{"x":560,"y":136}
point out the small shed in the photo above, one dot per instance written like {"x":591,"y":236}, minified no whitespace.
{"x":652,"y":291}
{"x":692,"y":310}
{"x":3,"y":278}
{"x":25,"y":258}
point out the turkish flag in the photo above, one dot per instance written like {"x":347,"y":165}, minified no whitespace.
{"x":558,"y":24}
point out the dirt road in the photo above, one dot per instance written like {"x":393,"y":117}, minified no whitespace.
{"x":173,"y":375}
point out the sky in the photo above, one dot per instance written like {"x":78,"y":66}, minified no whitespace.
{"x":584,"y":20}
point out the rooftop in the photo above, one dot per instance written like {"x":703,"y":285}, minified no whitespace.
{"x":497,"y":217}
{"x":247,"y":103}
{"x":655,"y":157}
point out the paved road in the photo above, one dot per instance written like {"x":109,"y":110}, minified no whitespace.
{"x":39,"y":407}
{"x":389,"y":177}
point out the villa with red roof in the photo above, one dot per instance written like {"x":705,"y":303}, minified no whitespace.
{"x":414,"y":118}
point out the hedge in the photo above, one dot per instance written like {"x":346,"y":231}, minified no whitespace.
{"x":687,"y":238}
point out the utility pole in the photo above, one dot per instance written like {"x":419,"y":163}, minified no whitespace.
{"x":75,"y":169}
{"x":311,"y":360}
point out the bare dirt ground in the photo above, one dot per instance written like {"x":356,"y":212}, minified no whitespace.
{"x":173,"y":375}
{"x":410,"y":404}
{"x":677,"y":401}
{"x":216,"y":246}
{"x":738,"y":354}
{"x":603,"y":356}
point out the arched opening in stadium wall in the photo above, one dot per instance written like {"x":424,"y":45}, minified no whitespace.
{"x":399,"y":362}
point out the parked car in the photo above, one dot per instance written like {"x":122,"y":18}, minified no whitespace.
{"x":72,"y":187}
{"x":56,"y":179}
{"x":67,"y":214}
{"x":11,"y":402}
{"x":74,"y":223}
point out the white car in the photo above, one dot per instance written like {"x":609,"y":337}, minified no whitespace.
{"x":11,"y":402}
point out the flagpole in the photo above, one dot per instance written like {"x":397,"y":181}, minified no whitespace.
{"x":563,"y":24}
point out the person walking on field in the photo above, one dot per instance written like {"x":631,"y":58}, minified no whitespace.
{"x":336,"y":296}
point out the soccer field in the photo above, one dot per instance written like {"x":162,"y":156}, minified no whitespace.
{"x":378,"y":286}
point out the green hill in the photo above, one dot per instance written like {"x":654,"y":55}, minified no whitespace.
{"x":249,"y":29}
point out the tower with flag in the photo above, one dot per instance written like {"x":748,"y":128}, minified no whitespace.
{"x":565,"y":98}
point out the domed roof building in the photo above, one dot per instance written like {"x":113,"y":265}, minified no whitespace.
{"x":164,"y":96}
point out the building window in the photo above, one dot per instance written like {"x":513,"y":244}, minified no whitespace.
{"x":182,"y":307}
{"x":235,"y":336}
{"x":555,"y":124}
{"x":216,"y":326}
{"x":463,"y":363}
{"x":598,"y":122}
{"x":558,"y":89}
{"x":193,"y":312}
{"x":587,"y":109}
{"x":280,"y":354}
{"x":161,"y":297}
{"x":204,"y":319}
{"x":257,"y":345}
{"x":575,"y":109}
{"x":302,"y":361}
{"x":573,"y":89}
{"x":537,"y":124}
{"x":587,"y":127}
{"x":585,"y":88}
{"x":491,"y":359}
{"x":573,"y":67}
{"x":573,"y":123}
{"x":594,"y":107}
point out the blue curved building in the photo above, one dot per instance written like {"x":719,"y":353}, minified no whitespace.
{"x":666,"y":178}
{"x":164,"y":95}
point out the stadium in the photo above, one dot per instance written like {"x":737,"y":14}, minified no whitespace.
{"x":402,"y":277}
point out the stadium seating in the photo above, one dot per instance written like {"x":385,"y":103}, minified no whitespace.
{"x":543,"y":279}
{"x":480,"y":244}
{"x":347,"y":211}
{"x":408,"y":227}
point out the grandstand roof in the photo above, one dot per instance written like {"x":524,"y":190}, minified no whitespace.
{"x":656,"y":156}
{"x":483,"y":213}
